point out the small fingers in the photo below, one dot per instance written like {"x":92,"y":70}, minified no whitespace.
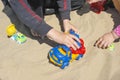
{"x":98,"y":42}
{"x":70,"y":44}
{"x":73,"y":44}
{"x":75,"y":38}
{"x":71,"y":41}
{"x":76,"y":45}
{"x":104,"y":45}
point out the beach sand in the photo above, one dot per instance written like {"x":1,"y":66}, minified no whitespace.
{"x":29,"y":61}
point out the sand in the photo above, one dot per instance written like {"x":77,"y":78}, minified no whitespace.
{"x":29,"y":61}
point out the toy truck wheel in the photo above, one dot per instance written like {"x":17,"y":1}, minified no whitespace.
{"x":64,"y":64}
{"x":79,"y":57}
{"x":62,"y":67}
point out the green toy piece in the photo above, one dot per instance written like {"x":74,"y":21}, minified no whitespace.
{"x":111,"y":47}
{"x":19,"y":38}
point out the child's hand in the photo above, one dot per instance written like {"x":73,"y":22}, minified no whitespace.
{"x":106,"y":40}
{"x":67,"y":26}
{"x":63,"y":38}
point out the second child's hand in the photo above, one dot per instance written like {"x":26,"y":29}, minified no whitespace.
{"x":68,"y":26}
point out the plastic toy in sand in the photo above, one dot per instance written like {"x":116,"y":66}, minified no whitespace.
{"x":62,"y":55}
{"x":11,"y":30}
{"x":14,"y":35}
{"x":111,"y":47}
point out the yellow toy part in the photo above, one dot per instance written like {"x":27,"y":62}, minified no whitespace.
{"x":11,"y":30}
{"x":74,"y":57}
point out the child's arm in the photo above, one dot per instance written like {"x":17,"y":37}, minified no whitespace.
{"x":64,"y":11}
{"x":64,"y":8}
{"x":28,"y":17}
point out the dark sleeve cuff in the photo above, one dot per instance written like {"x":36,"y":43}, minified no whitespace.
{"x":65,"y":15}
{"x":43,"y":29}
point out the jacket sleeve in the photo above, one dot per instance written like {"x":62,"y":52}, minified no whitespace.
{"x":27,"y":16}
{"x":64,"y":8}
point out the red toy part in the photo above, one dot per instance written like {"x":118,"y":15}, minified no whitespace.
{"x":81,"y":50}
{"x":97,"y":7}
{"x":82,"y":42}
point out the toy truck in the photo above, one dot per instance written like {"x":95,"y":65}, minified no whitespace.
{"x":19,"y":38}
{"x":62,"y":55}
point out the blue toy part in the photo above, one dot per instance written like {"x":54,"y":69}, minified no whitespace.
{"x":14,"y":37}
{"x":64,"y":64}
{"x":60,"y":56}
{"x":79,"y":57}
{"x":73,"y":33}
{"x":19,"y":38}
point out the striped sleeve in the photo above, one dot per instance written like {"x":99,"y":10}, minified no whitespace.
{"x":27,"y":16}
{"x":64,"y":8}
